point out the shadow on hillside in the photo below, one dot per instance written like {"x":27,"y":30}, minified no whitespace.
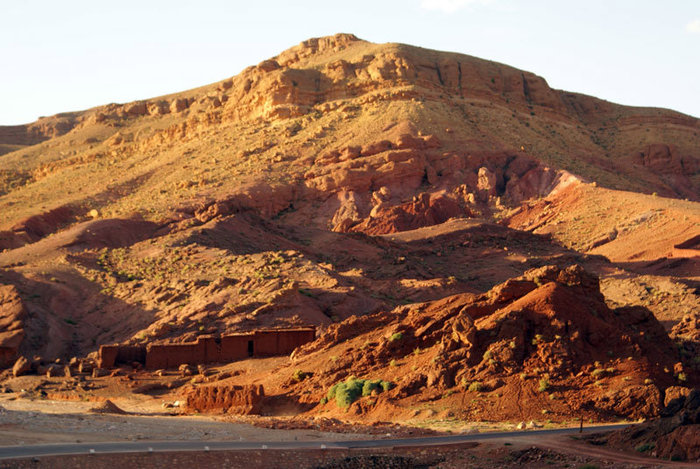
{"x":681,"y":269}
{"x":69,"y":315}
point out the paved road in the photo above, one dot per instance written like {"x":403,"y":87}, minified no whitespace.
{"x":11,"y":452}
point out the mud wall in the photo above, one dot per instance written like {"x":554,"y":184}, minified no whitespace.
{"x":268,"y":343}
{"x":208,"y":349}
{"x":241,"y":400}
{"x":111,"y":355}
{"x":173,"y":355}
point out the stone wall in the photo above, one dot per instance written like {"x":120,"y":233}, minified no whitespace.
{"x":208,"y":349}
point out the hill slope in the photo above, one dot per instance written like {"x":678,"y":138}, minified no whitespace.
{"x":339,"y":178}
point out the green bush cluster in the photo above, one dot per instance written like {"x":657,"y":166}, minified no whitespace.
{"x":348,"y":391}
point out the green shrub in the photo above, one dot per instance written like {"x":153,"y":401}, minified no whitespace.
{"x":331,"y":392}
{"x":299,"y":375}
{"x":348,"y":392}
{"x":597,"y":373}
{"x":371,"y":385}
{"x":476,"y":386}
{"x":395,"y":337}
{"x":544,"y":385}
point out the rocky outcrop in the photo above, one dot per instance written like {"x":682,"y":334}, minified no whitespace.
{"x":423,"y":210}
{"x":407,"y":183}
{"x":675,"y":436}
{"x":674,"y":167}
{"x":12,"y":315}
{"x":43,"y":129}
{"x":666,"y":159}
{"x":230,"y":399}
{"x":552,"y":322}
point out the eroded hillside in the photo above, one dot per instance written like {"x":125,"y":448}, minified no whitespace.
{"x":345,"y":182}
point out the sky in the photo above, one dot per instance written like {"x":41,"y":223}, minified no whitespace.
{"x":74,"y":54}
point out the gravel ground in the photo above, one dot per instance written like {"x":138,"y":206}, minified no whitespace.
{"x":24,"y":421}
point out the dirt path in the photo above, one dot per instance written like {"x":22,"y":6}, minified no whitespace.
{"x":569,"y":445}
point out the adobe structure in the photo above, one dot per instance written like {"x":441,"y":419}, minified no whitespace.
{"x":208,"y":349}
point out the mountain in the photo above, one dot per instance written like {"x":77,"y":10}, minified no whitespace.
{"x":344,"y":179}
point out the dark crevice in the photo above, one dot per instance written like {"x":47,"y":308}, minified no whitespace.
{"x":459,"y":77}
{"x":437,"y":69}
{"x":526,"y":89}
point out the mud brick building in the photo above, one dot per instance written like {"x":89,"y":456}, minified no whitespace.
{"x":208,"y":349}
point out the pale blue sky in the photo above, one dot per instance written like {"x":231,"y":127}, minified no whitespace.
{"x":70,"y":55}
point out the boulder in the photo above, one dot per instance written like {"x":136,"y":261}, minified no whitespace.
{"x":22,"y":367}
{"x":673,"y":393}
{"x":85,"y":366}
{"x":486,"y":184}
{"x":99,"y":372}
{"x":187,"y":370}
{"x":54,"y":371}
{"x":178,"y":105}
{"x":135,"y":109}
